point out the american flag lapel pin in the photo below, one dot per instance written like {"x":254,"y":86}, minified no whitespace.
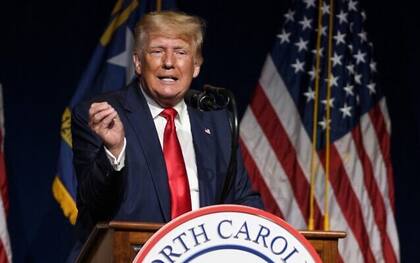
{"x":207,"y":130}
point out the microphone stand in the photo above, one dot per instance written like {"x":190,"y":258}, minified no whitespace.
{"x":231,"y":171}
{"x":210,"y":100}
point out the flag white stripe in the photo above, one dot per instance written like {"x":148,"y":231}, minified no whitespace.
{"x":348,"y":247}
{"x":270,"y":169}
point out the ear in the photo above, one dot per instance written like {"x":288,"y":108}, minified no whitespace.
{"x":196,"y":70}
{"x":137,"y":63}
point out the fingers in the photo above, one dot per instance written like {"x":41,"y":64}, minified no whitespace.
{"x":105,"y":122}
{"x":108,"y":121}
{"x":101,"y":115}
{"x":99,"y":111}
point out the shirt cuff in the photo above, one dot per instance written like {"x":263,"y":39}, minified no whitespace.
{"x":117,"y":162}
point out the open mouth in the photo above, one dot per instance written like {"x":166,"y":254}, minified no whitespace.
{"x":168,"y":78}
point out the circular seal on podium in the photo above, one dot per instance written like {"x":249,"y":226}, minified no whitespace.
{"x":227,"y":233}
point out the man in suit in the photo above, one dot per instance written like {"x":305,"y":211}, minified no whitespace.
{"x":140,"y":153}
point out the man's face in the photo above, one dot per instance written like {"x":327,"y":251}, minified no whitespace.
{"x":166,"y":68}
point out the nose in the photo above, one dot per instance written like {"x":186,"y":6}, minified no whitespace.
{"x":168,"y":60}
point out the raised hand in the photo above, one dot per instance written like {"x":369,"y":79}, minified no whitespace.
{"x":105,"y":122}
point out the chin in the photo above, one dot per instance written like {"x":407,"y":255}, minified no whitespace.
{"x":168,"y":101}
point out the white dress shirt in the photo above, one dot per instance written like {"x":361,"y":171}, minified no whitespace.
{"x":183,"y":130}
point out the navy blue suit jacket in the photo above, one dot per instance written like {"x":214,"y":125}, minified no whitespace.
{"x":140,"y":191}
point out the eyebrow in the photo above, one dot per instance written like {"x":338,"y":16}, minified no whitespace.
{"x":174,"y":47}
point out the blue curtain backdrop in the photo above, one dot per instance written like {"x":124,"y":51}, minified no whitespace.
{"x":44,"y":49}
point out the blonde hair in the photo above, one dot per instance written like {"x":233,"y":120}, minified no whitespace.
{"x":173,"y":24}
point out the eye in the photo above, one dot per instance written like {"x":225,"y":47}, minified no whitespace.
{"x":181,"y":52}
{"x":155,"y":52}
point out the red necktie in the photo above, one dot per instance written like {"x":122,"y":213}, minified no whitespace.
{"x":175,"y":166}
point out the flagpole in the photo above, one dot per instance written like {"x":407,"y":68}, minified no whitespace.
{"x":314,"y":165}
{"x":118,"y":21}
{"x":328,"y":127}
{"x":117,"y":7}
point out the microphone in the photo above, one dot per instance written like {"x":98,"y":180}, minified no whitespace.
{"x":200,"y":100}
{"x":211,"y":98}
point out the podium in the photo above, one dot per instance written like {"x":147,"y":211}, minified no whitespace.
{"x":120,"y":241}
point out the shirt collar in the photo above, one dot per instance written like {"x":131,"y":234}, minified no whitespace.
{"x":156,"y":109}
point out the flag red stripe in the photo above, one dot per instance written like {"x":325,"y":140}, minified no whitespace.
{"x":3,"y":185}
{"x":285,"y":152}
{"x":3,"y":179}
{"x":378,"y":121}
{"x":375,"y":195}
{"x":269,"y":201}
{"x":348,"y":202}
{"x":3,"y":255}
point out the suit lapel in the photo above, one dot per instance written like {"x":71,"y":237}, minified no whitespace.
{"x":203,"y":139}
{"x":140,"y":119}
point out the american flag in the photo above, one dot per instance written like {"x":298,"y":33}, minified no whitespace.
{"x":5,"y":249}
{"x":318,"y":113}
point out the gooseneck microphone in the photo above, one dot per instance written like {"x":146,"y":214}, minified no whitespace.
{"x":200,"y":100}
{"x":209,"y":99}
{"x":218,"y":98}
